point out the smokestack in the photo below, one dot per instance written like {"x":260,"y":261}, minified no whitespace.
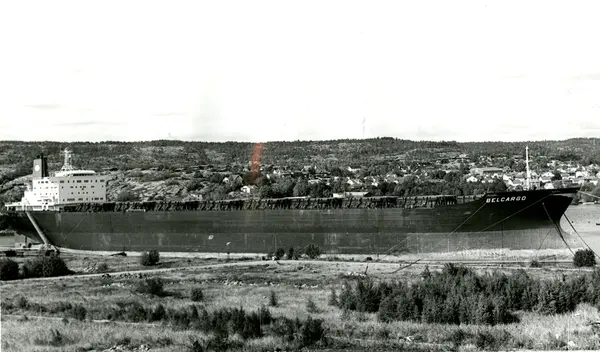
{"x":40,"y":167}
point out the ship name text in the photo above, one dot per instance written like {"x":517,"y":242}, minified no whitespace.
{"x":505,"y":199}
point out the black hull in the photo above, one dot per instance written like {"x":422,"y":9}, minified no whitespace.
{"x":494,"y":221}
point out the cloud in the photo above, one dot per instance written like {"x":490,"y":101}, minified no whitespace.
{"x":87,"y":123}
{"x":589,"y":76}
{"x":167,"y":114}
{"x":44,"y":106}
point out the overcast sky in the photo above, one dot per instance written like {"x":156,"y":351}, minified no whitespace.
{"x":270,"y":70}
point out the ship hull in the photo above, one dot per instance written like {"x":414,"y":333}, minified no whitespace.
{"x":494,"y":221}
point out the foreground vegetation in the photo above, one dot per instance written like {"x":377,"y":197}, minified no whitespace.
{"x":291,"y":304}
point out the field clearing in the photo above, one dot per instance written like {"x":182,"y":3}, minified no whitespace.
{"x":250,"y":284}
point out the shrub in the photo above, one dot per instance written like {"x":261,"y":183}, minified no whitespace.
{"x":291,"y":255}
{"x":313,"y":251}
{"x":273,"y":299}
{"x":127,"y":196}
{"x":9,"y":269}
{"x":78,"y":312}
{"x":22,"y":303}
{"x":45,"y":266}
{"x":333,"y":298}
{"x":584,"y":257}
{"x":311,"y":307}
{"x":279,"y":253}
{"x":150,"y":258}
{"x":153,"y":286}
{"x":193,"y":185}
{"x":159,"y":313}
{"x":197,"y":295}
{"x":312,"y":332}
{"x":102,"y":268}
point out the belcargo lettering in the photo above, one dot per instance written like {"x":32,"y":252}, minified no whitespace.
{"x":505,"y":199}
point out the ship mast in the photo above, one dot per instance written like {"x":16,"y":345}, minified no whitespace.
{"x":527,"y":165}
{"x":67,"y":163}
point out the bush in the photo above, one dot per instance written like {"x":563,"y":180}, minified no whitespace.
{"x":279,"y":253}
{"x":153,"y":286}
{"x":311,"y":307}
{"x":291,"y":255}
{"x":313,"y":251}
{"x":102,"y":268}
{"x":78,"y":312}
{"x":333,"y":298}
{"x":194,"y":185}
{"x":44,"y":266}
{"x":273,"y":299}
{"x":9,"y":269}
{"x":197,"y":295}
{"x":312,"y":332}
{"x":150,"y":258}
{"x":158,"y":314}
{"x":127,"y":196}
{"x":584,"y":257}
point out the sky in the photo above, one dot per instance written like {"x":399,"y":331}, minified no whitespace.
{"x":280,"y":70}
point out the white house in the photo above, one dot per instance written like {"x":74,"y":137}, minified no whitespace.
{"x":472,"y":179}
{"x":248,"y":189}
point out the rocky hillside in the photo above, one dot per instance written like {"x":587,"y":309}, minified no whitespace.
{"x":177,"y":170}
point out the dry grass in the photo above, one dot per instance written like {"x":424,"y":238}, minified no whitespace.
{"x":249,"y":286}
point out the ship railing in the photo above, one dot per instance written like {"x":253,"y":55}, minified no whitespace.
{"x":275,"y":204}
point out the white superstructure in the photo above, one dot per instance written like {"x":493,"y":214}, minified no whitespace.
{"x":67,"y":186}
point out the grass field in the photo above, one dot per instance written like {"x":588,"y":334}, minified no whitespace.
{"x":39,"y":315}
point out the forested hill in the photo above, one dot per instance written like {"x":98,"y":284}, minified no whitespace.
{"x":178,"y":170}
{"x":172,"y":154}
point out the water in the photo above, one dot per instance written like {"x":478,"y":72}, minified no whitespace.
{"x":7,"y":240}
{"x":584,"y":219}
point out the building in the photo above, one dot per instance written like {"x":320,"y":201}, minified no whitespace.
{"x":351,"y":195}
{"x":488,"y":171}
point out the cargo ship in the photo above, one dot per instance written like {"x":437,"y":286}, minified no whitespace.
{"x":69,"y":209}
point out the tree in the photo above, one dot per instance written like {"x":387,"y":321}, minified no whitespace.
{"x":286,"y":186}
{"x":438,"y":174}
{"x":301,"y":188}
{"x":556,"y":177}
{"x":266,"y":191}
{"x":320,"y":190}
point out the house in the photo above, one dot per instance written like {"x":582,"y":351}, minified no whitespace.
{"x":472,"y":179}
{"x":351,"y":195}
{"x":592,"y":180}
{"x":516,"y":182}
{"x":354,"y":183}
{"x":548,"y":174}
{"x":248,"y":189}
{"x":488,"y":171}
{"x":233,"y":179}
